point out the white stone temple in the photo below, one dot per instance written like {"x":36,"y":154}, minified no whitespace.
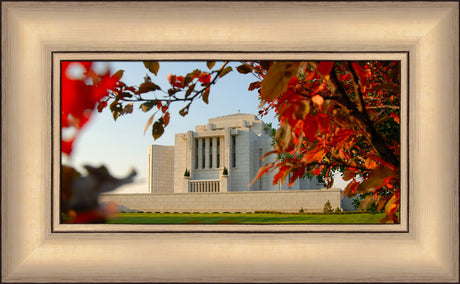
{"x":233,"y":142}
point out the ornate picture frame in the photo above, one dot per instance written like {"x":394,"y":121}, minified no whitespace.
{"x":33,"y":252}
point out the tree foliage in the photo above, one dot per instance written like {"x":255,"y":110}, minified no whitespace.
{"x":337,"y":115}
{"x":333,"y":115}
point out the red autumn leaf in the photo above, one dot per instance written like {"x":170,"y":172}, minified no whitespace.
{"x":66,"y":146}
{"x":101,"y":106}
{"x":166,"y":118}
{"x":361,"y":73}
{"x":395,"y":117}
{"x":350,"y":189}
{"x":382,"y":162}
{"x":281,"y":175}
{"x":205,"y":79}
{"x":317,"y":171}
{"x":262,"y":171}
{"x":325,"y":67}
{"x":171,"y":79}
{"x":80,"y":99}
{"x":315,"y":155}
{"x":296,"y":174}
{"x":310,"y":127}
{"x":323,"y":121}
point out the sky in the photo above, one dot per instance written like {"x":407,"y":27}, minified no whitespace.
{"x":121,"y":145}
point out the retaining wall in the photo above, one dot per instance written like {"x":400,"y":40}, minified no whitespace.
{"x":249,"y":201}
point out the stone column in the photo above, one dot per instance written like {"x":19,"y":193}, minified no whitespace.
{"x":200,"y":153}
{"x":227,"y":148}
{"x":214,"y":152}
{"x":206,"y":153}
{"x":224,"y":184}
{"x":190,"y":152}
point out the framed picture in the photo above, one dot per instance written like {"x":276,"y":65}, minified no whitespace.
{"x":205,"y":196}
{"x":37,"y":248}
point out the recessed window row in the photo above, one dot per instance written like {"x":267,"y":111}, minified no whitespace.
{"x":208,"y":153}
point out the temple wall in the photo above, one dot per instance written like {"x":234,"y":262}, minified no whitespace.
{"x":249,"y":201}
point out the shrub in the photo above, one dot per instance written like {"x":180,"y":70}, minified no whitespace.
{"x":187,"y":173}
{"x":338,"y":210}
{"x":140,"y":211}
{"x":301,"y":210}
{"x":225,"y":171}
{"x":266,"y":212}
{"x":327,"y":207}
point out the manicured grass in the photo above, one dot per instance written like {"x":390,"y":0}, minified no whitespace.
{"x":244,"y":218}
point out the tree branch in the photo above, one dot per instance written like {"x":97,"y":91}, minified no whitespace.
{"x":376,"y":139}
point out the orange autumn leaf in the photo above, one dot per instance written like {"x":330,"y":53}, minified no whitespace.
{"x":276,"y":80}
{"x":376,"y":179}
{"x":318,"y":100}
{"x":262,"y":171}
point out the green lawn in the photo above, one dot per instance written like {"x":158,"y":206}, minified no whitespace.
{"x":244,"y":218}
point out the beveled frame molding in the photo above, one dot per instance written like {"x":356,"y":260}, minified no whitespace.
{"x":31,"y":31}
{"x":403,"y":57}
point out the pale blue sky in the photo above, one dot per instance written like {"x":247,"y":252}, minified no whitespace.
{"x":121,"y":144}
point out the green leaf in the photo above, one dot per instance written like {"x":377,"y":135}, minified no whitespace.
{"x":157,"y":130}
{"x":148,"y":105}
{"x":148,"y":87}
{"x":225,"y":71}
{"x":153,"y":66}
{"x":205,"y":96}
{"x":118,"y":74}
{"x":210,"y":64}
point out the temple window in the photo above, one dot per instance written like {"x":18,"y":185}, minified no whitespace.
{"x":218,"y":153}
{"x":234,"y":151}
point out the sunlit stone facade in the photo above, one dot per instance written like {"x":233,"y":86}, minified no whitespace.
{"x":235,"y":142}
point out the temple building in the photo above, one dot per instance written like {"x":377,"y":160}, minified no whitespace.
{"x":222,"y":156}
